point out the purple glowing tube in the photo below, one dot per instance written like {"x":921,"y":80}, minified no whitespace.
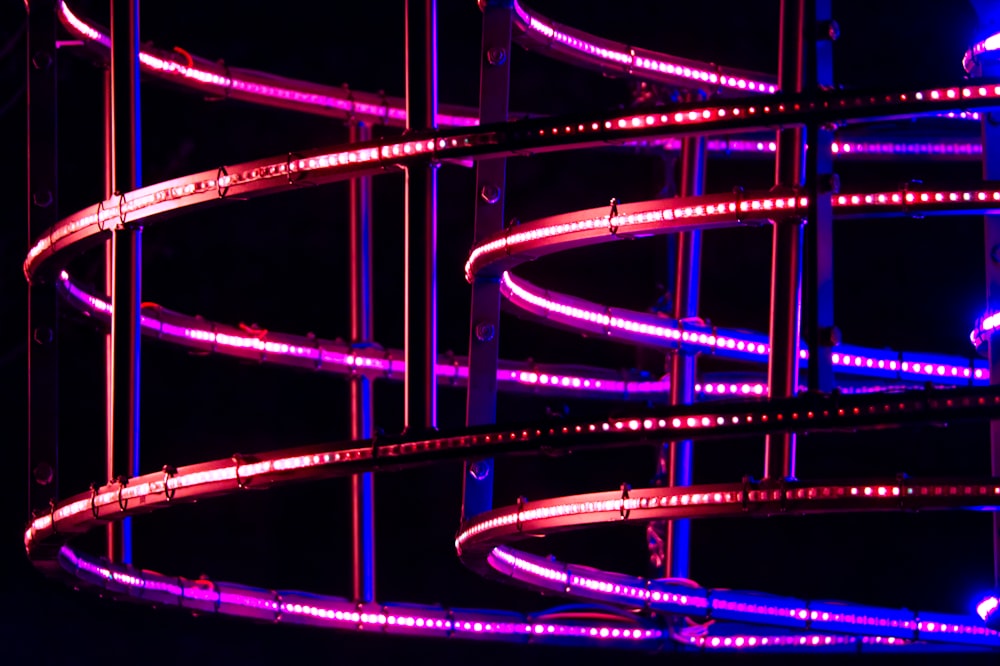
{"x":980,"y":49}
{"x":339,"y":357}
{"x":293,"y":607}
{"x":651,"y":329}
{"x":886,"y":626}
{"x":539,"y":33}
{"x":266,"y":89}
{"x":376,"y":363}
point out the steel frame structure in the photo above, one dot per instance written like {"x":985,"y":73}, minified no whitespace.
{"x":801,"y":206}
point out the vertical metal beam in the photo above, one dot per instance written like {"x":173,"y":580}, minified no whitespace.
{"x":677,"y":458}
{"x":43,"y":311}
{"x":818,"y":281}
{"x":786,"y":259}
{"x":126,"y":293}
{"x":420,"y":342}
{"x":114,"y":529}
{"x":491,"y":185}
{"x":991,"y":228}
{"x":362,"y":406}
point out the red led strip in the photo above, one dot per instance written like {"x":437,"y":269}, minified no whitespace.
{"x":479,"y":536}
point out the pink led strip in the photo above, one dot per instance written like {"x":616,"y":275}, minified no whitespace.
{"x":667,"y":596}
{"x":282,"y":173}
{"x":340,"y":357}
{"x":957,"y":149}
{"x":732,"y":500}
{"x":620,"y":58}
{"x":668,"y":215}
{"x":292,"y":607}
{"x":650,"y":329}
{"x":161,"y":489}
{"x":316,"y":98}
{"x":611,"y":588}
{"x":739,"y":418}
{"x":326,"y":100}
{"x":988,"y":45}
{"x":263,"y":176}
{"x":756,"y":641}
{"x":267,"y":89}
{"x":893,"y":627}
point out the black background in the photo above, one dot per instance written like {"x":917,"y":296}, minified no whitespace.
{"x":282,"y":262}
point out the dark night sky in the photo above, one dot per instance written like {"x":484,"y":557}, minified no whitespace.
{"x":282,"y":262}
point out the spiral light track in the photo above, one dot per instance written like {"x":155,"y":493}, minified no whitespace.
{"x":879,"y":387}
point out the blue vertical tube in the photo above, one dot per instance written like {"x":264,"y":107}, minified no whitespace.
{"x":362,"y":407}
{"x":819,"y":327}
{"x":677,"y":458}
{"x":126,"y":296}
{"x":991,"y":229}
{"x":420,"y":335}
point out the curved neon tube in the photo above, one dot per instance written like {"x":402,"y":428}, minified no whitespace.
{"x":294,"y":607}
{"x":662,"y":595}
{"x":340,"y":357}
{"x":807,"y":413}
{"x":486,"y":531}
{"x":988,"y":45}
{"x":539,"y":33}
{"x":652,"y":330}
{"x":307,"y":97}
{"x":267,"y":89}
{"x":163,"y":489}
{"x":377,"y":363}
{"x":632,"y":126}
{"x":531,"y":240}
{"x":330,"y":165}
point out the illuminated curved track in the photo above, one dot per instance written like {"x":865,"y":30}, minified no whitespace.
{"x":535,"y":32}
{"x":640,"y":612}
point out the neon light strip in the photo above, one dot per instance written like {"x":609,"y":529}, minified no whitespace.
{"x":757,"y":642}
{"x":668,"y":215}
{"x":326,"y":100}
{"x":292,"y":607}
{"x":986,"y":608}
{"x":889,"y":625}
{"x":988,"y":45}
{"x":341,"y":358}
{"x":322,"y":166}
{"x":586,"y":50}
{"x":983,"y":331}
{"x":720,"y":500}
{"x":804,"y":414}
{"x":264,"y":88}
{"x":957,"y":149}
{"x":653,"y":330}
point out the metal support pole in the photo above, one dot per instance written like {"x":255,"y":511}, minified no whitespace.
{"x":991,"y":226}
{"x":362,"y":407}
{"x":127,"y":250}
{"x":43,"y":305}
{"x":114,"y":529}
{"x":420,"y":345}
{"x":786,"y":259}
{"x":820,"y":332}
{"x":491,"y":183}
{"x":677,"y":458}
